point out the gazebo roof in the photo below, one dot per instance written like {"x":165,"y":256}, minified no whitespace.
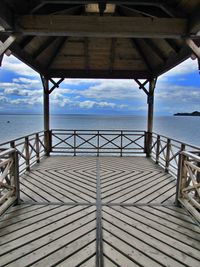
{"x":100,"y":39}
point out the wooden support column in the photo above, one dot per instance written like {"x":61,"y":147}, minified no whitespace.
{"x":47,"y":138}
{"x":46,"y":93}
{"x":150,"y":102}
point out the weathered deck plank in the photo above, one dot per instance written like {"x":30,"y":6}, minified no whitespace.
{"x":68,"y":201}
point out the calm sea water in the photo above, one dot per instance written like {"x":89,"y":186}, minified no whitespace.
{"x":186,"y":129}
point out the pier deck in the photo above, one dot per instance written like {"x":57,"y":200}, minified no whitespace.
{"x":98,"y":211}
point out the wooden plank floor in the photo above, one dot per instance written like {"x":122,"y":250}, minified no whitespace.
{"x":106,"y":211}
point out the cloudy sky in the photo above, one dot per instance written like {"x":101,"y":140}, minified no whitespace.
{"x":21,"y":92}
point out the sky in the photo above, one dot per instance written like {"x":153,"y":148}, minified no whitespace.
{"x":21,"y":92}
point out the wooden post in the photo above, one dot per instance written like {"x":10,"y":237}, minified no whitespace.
{"x":167,"y":155}
{"x":121,"y":145}
{"x":158,"y":149}
{"x":150,"y":102}
{"x":15,"y":173}
{"x":27,"y":153}
{"x":179,"y":175}
{"x":37,"y":147}
{"x":74,"y":143}
{"x":98,"y":143}
{"x":47,"y":144}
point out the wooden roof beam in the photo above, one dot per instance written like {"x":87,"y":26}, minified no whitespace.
{"x":26,"y":41}
{"x":112,"y":53}
{"x":117,"y":2}
{"x":155,"y":49}
{"x":43,"y":47}
{"x":6,"y":16}
{"x":94,"y":26}
{"x":104,"y":74}
{"x":59,"y":46}
{"x":26,"y":58}
{"x":173,"y":45}
{"x":86,"y":51}
{"x":140,"y":51}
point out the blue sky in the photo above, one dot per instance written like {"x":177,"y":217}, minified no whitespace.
{"x":21,"y":92}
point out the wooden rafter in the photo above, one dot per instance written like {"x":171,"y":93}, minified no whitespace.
{"x":173,"y":45}
{"x":86,"y":50}
{"x":140,"y":51}
{"x":26,"y":41}
{"x":94,"y":26}
{"x":59,"y":45}
{"x":43,"y":47}
{"x":112,"y":53}
{"x":183,"y":54}
{"x":6,"y":16}
{"x":136,"y":11}
{"x":155,"y":49}
{"x":26,"y":58}
{"x":37,"y":7}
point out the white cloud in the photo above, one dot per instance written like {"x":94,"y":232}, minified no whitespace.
{"x":26,"y":80}
{"x":113,"y":89}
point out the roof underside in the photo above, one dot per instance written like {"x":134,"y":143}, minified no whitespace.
{"x":100,"y":39}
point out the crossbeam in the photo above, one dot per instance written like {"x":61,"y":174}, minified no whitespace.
{"x":94,"y":26}
{"x":193,"y":47}
{"x":4,"y":46}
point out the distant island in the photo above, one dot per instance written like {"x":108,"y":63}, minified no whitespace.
{"x":195,"y":113}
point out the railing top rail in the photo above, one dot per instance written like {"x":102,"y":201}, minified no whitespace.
{"x":7,"y":152}
{"x":178,"y":141}
{"x":191,"y":155}
{"x":19,"y":138}
{"x":79,"y":130}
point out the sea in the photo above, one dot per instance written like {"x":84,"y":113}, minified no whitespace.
{"x":182,"y":128}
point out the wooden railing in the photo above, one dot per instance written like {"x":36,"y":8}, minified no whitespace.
{"x":30,"y":148}
{"x":165,"y":152}
{"x":98,"y":142}
{"x":9,"y":179}
{"x":188,"y":186}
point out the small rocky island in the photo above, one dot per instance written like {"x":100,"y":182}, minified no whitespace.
{"x":195,"y":113}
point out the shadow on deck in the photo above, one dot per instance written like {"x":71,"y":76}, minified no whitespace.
{"x":98,"y":211}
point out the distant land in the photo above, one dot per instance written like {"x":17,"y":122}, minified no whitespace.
{"x":195,"y":113}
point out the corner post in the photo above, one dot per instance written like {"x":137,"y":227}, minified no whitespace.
{"x":47,"y":139}
{"x":150,"y":102}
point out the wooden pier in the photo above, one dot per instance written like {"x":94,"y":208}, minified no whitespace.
{"x":98,"y":211}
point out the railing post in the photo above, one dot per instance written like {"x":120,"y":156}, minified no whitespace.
{"x":167,"y":155}
{"x":37,"y":147}
{"x":158,"y":149}
{"x":121,"y":145}
{"x":15,"y":175}
{"x":48,"y":142}
{"x":98,"y":143}
{"x":27,"y":154}
{"x":198,"y":175}
{"x":148,"y":144}
{"x":180,"y":175}
{"x":74,"y":143}
{"x":12,"y":144}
